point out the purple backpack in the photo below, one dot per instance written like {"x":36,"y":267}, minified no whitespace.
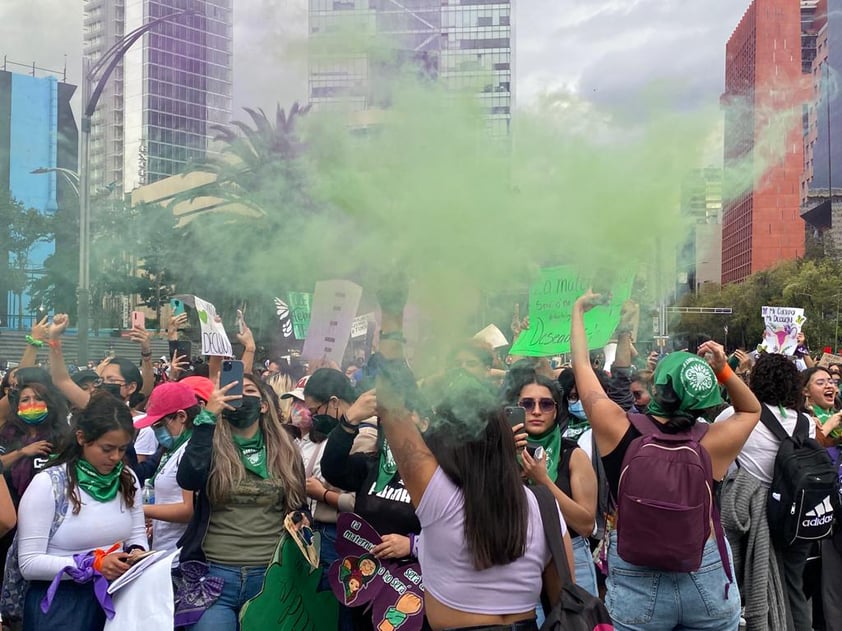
{"x":665,"y":506}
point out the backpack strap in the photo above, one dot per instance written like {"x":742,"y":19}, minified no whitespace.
{"x":552,"y":532}
{"x":768,"y":418}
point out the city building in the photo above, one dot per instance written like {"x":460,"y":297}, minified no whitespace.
{"x":37,"y":133}
{"x":156,"y":112}
{"x":764,"y":91}
{"x":699,"y":259}
{"x":821,"y":186}
{"x":465,"y":44}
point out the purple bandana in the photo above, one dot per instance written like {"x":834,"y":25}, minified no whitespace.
{"x":83,"y":572}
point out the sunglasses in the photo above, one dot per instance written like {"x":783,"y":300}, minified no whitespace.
{"x":545,"y":405}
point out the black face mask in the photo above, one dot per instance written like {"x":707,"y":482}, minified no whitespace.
{"x":246,"y":415}
{"x":113,"y":389}
{"x":324,"y":423}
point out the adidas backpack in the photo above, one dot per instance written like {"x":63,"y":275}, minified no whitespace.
{"x":665,"y":506}
{"x":804,"y":484}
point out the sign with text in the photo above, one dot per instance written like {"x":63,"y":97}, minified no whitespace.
{"x":829,"y":358}
{"x":359,"y":327}
{"x":357,"y":577}
{"x":300,"y":304}
{"x":332,"y":314}
{"x":551,"y":299}
{"x":782,"y":327}
{"x":215,"y":340}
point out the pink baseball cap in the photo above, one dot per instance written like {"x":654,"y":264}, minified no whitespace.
{"x":166,"y":399}
{"x":201,"y":386}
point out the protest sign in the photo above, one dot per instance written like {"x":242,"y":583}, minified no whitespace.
{"x":215,"y":341}
{"x":493,"y":336}
{"x":147,"y":601}
{"x":828,"y":359}
{"x":359,"y":327}
{"x":358,"y":578}
{"x":289,"y":599}
{"x":551,"y":299}
{"x":782,"y":327}
{"x":333,"y":309}
{"x":300,"y":304}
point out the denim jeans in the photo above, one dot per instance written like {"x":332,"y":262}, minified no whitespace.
{"x":585,"y":570}
{"x":74,"y":608}
{"x":327,"y":555}
{"x":643,"y":599}
{"x":241,"y":584}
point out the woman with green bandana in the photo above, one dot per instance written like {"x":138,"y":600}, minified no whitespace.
{"x":381,"y":498}
{"x":89,"y":530}
{"x":685,"y":386}
{"x":246,"y":475}
{"x":820,"y":392}
{"x":564,"y":468}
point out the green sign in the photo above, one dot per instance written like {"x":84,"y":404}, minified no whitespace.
{"x":551,"y":300}
{"x":299,"y":311}
{"x":290,"y":600}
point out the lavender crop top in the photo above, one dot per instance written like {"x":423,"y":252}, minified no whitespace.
{"x":447,"y":565}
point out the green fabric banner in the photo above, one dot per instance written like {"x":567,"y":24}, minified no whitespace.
{"x":551,"y":299}
{"x":299,"y":311}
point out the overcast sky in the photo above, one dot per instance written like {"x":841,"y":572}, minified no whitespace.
{"x":600,"y":49}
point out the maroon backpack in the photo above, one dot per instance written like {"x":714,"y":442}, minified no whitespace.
{"x":665,"y":505}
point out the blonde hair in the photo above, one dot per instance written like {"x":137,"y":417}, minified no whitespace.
{"x":282,"y":384}
{"x":283,"y":460}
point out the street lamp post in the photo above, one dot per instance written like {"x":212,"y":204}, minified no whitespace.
{"x":94,"y":78}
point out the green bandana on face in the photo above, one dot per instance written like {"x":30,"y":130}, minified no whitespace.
{"x":253,"y":453}
{"x":692,"y":379}
{"x":101,"y":487}
{"x":551,"y":442}
{"x":386,"y":469}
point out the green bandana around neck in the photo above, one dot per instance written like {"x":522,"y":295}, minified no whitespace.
{"x":551,"y":442}
{"x":182,"y":438}
{"x":691,"y":378}
{"x":575,"y":428}
{"x":253,"y":453}
{"x":387,"y":468}
{"x":103,"y":487}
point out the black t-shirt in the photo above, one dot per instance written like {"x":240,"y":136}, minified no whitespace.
{"x":613,"y":462}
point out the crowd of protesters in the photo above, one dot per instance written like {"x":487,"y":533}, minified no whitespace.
{"x":661,"y":467}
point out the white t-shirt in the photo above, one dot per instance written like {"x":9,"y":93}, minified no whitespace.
{"x":146,"y":444}
{"x":165,"y":534}
{"x":310,"y":450}
{"x":758,"y":454}
{"x":98,"y":525}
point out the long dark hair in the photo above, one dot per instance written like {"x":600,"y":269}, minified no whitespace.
{"x":806,"y":375}
{"x":328,"y":382}
{"x":104,"y":413}
{"x":55,"y":424}
{"x":131,"y":374}
{"x":478,"y":463}
{"x":561,"y":413}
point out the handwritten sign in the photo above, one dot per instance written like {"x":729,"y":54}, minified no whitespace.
{"x":551,"y":300}
{"x":334,"y":306}
{"x":215,"y":341}
{"x":782,"y":327}
{"x":299,"y":308}
{"x":290,"y":600}
{"x":828,"y":359}
{"x":359,"y":327}
{"x":357,"y":578}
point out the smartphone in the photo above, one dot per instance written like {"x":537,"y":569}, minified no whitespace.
{"x":177,"y":306}
{"x":138,"y":319}
{"x":515,"y":414}
{"x":183,"y":347}
{"x":241,"y":322}
{"x":137,"y":557}
{"x":232,"y":370}
{"x":536,"y":451}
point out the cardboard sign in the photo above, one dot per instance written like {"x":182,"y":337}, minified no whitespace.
{"x":334,"y":306}
{"x":828,"y":359}
{"x":551,"y":300}
{"x":359,"y":327}
{"x":215,"y":341}
{"x":289,"y":599}
{"x":300,"y":304}
{"x":782,"y":327}
{"x":392,"y":587}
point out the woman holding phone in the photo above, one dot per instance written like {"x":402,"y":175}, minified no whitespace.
{"x":100,"y":522}
{"x":564,"y":468}
{"x":246,"y":475}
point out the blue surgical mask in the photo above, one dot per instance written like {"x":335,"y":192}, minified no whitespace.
{"x":165,"y":439}
{"x":577,"y":410}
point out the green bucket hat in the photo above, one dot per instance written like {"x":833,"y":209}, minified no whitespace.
{"x":692,"y":379}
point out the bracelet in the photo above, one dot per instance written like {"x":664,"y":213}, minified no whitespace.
{"x":394,"y":336}
{"x":324,"y":497}
{"x":146,"y":355}
{"x":344,"y":423}
{"x":33,"y":342}
{"x":725,"y":374}
{"x":55,"y":344}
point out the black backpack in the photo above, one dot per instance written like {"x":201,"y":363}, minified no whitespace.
{"x":803,"y":496}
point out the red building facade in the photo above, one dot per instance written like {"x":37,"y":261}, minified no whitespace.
{"x":764,"y":89}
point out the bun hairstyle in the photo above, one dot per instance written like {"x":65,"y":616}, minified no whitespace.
{"x":679,"y":420}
